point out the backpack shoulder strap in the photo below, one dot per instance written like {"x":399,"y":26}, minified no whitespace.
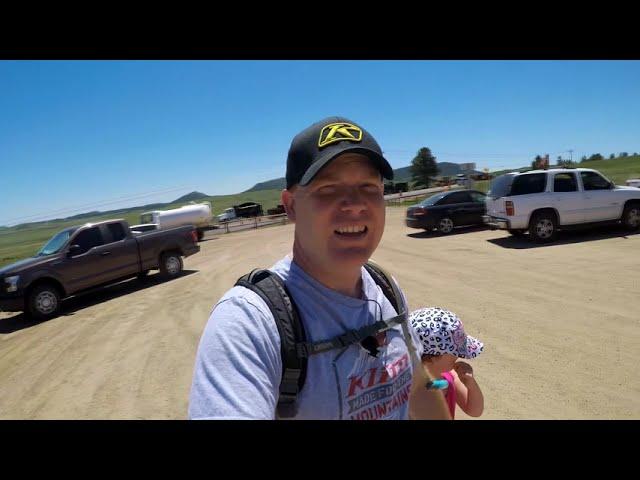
{"x":392,"y":292}
{"x":270,"y":287}
{"x":386,"y":283}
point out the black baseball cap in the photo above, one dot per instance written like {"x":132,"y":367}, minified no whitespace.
{"x":323,"y":141}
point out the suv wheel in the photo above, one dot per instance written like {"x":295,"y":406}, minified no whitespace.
{"x":543,"y":227}
{"x":631,"y":216}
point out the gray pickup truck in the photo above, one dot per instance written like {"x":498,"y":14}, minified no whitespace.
{"x":84,"y":257}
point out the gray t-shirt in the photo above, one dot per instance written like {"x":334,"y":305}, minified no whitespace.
{"x":238,"y":365}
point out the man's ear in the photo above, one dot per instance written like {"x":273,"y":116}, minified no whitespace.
{"x":287,"y":200}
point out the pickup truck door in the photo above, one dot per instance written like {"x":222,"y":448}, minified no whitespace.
{"x":120,"y":251}
{"x":600,"y":202}
{"x":568,"y":199}
{"x":86,"y":267}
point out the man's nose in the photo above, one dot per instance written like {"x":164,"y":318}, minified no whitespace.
{"x":353,"y":201}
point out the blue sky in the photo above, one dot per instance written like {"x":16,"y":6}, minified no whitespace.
{"x":97,"y":135}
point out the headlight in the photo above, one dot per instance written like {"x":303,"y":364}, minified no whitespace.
{"x":12,"y":283}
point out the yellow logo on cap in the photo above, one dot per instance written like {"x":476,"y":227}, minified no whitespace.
{"x":337,"y":132}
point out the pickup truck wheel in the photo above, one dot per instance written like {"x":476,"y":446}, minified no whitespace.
{"x":445,"y":225}
{"x":543,"y":227}
{"x":200,"y":235}
{"x":516,"y":233}
{"x":171,"y":264}
{"x":631,"y":216}
{"x":44,"y":302}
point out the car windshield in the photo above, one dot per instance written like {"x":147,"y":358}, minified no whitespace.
{"x":432,"y":200}
{"x":56,"y":243}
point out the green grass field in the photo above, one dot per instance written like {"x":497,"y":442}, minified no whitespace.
{"x":25,"y":240}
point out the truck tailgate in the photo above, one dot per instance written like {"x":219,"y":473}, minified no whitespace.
{"x":496,"y":207}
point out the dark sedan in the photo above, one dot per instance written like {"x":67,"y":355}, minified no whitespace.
{"x":446,"y":210}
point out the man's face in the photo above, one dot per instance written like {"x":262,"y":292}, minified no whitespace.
{"x":340,"y":215}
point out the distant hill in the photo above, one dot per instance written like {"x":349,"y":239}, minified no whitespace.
{"x":275,"y":184}
{"x":448,"y":169}
{"x":191,"y":197}
{"x":402,"y":174}
{"x":82,"y":215}
{"x":121,"y":212}
{"x":399,"y":175}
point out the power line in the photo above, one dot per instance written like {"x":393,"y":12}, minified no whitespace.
{"x":94,"y":204}
{"x":89,"y":205}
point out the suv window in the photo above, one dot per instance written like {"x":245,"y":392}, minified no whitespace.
{"x":87,"y":239}
{"x":565,"y":182}
{"x":500,"y":186}
{"x":528,"y":183}
{"x":477,"y":197}
{"x":117,"y":231}
{"x":593,"y":181}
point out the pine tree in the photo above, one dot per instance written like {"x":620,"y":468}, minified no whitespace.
{"x":423,"y":168}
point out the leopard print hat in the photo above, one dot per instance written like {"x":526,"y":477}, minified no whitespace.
{"x":441,"y":331}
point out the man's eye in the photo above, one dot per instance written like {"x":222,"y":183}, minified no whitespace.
{"x":327,"y":189}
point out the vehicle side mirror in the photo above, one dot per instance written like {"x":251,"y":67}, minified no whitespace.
{"x":73,"y":250}
{"x":612,"y":185}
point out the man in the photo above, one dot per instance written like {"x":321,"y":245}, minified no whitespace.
{"x":334,"y":195}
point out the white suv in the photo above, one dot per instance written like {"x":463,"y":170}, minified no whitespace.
{"x":544,"y":201}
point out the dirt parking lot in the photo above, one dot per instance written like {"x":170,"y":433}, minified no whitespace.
{"x":561,"y":325}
